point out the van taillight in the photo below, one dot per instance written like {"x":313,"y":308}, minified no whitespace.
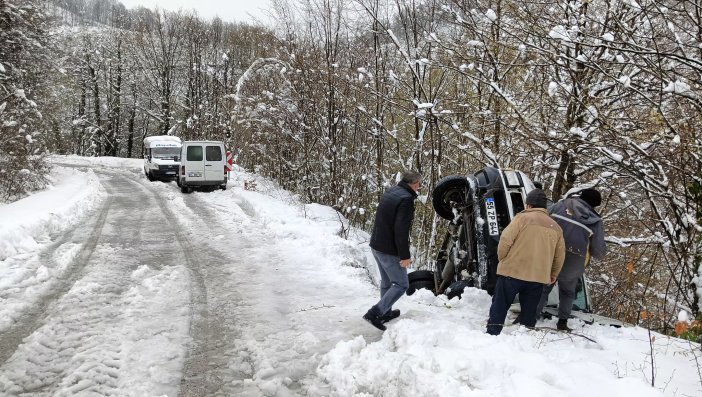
{"x":182,"y":170}
{"x":225,"y":170}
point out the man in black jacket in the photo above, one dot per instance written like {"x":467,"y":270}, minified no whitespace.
{"x":391,"y":247}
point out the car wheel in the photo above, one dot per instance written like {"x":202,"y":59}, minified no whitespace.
{"x":223,"y":187}
{"x":452,"y":188}
{"x":184,"y":189}
{"x":425,"y":275}
{"x":150,"y":176}
{"x":420,"y":284}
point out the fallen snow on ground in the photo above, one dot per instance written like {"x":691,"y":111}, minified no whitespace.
{"x":28,"y":222}
{"x":437,"y":347}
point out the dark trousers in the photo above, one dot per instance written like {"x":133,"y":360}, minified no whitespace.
{"x":506,"y":289}
{"x":573,"y":269}
{"x":566,"y":296}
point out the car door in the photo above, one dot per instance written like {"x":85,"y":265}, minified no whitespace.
{"x":214,"y":162}
{"x":194,"y":162}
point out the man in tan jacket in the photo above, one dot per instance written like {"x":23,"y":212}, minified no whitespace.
{"x":531,"y":253}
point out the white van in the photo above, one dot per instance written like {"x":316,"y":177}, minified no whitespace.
{"x":161,"y":157}
{"x":203,"y":163}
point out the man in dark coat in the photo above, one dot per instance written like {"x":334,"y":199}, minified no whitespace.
{"x":583,"y":233}
{"x":391,"y":247}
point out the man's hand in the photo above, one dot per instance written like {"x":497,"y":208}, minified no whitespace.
{"x":405,"y":262}
{"x":553,"y":280}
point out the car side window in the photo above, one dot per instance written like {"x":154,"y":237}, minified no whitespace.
{"x":213,"y":153}
{"x":194,"y":153}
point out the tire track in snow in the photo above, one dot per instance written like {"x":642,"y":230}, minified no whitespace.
{"x":11,"y":338}
{"x":79,"y":348}
{"x":207,"y":369}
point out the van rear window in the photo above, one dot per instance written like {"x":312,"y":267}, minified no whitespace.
{"x":194,"y":153}
{"x":213,"y":153}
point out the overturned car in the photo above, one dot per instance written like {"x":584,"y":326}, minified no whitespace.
{"x":478,"y":208}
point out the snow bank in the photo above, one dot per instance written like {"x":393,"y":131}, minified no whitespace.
{"x":439,"y":348}
{"x":28,"y":222}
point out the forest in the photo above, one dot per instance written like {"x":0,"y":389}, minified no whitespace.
{"x":336,"y":97}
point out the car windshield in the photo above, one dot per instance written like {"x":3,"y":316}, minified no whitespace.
{"x":165,"y":152}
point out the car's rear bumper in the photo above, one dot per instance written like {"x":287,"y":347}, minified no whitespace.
{"x":203,"y":183}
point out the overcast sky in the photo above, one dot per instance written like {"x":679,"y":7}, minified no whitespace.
{"x":228,"y":10}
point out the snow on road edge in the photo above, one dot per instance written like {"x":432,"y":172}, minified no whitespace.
{"x":29,"y":222}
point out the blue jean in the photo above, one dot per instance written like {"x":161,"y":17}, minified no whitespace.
{"x":393,"y":281}
{"x":506,"y":290}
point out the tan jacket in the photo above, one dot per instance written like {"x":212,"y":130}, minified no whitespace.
{"x":531,"y":247}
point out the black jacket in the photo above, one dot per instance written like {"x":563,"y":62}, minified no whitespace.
{"x":393,"y":220}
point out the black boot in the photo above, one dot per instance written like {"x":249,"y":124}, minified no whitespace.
{"x":390,"y":315}
{"x":562,"y":325}
{"x":374,"y":319}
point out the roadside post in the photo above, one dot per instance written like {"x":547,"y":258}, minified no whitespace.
{"x":230,"y":163}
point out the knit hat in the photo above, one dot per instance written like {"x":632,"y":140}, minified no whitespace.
{"x":591,"y":196}
{"x":536,"y":198}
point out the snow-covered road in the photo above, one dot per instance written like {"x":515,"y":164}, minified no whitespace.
{"x":281,"y":290}
{"x":89,"y":291}
{"x":113,"y":285}
{"x":154,"y":286}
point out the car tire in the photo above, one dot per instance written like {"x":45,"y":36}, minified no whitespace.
{"x":452,"y":188}
{"x":421,"y":284}
{"x":223,"y":187}
{"x":184,"y":189}
{"x":425,"y":275}
{"x":150,"y":176}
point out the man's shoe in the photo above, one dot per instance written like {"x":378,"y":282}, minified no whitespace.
{"x":391,"y":315}
{"x":374,"y":320}
{"x":562,"y":325}
{"x":518,"y":319}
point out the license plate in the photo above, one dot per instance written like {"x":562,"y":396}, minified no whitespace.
{"x":491,"y":213}
{"x":170,"y":173}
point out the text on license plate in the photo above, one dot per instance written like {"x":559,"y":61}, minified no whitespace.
{"x":491,"y":214}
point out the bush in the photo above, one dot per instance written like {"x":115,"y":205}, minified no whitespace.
{"x":690,"y":331}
